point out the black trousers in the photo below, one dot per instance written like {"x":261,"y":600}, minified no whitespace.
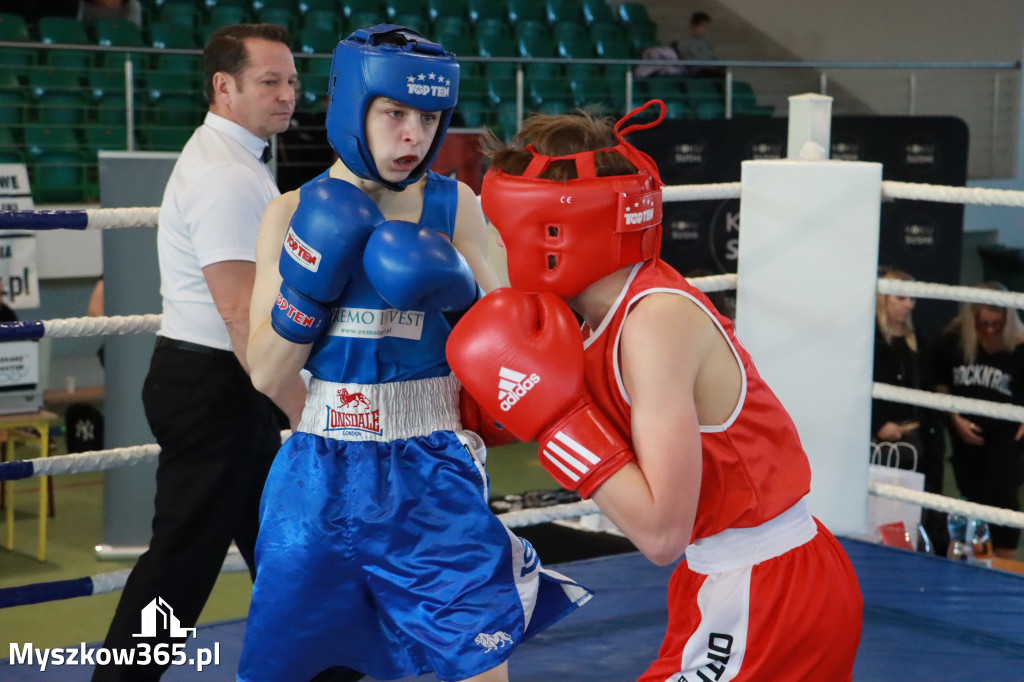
{"x":218,"y":437}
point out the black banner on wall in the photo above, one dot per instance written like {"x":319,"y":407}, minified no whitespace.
{"x":923,"y":238}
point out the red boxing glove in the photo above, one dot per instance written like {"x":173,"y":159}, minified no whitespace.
{"x":521,"y":358}
{"x":475,"y":419}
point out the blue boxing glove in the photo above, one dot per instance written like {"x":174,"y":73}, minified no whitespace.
{"x":417,"y":268}
{"x":325,"y":242}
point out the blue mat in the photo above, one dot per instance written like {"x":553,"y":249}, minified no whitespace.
{"x":925,"y":618}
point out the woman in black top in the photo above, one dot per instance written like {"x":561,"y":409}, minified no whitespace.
{"x":900,"y":361}
{"x":980,"y":356}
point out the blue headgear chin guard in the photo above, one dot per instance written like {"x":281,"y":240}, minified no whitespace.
{"x":417,"y":73}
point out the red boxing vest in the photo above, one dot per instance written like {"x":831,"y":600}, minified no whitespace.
{"x":754,"y":467}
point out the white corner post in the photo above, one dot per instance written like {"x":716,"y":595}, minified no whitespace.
{"x":806,"y":280}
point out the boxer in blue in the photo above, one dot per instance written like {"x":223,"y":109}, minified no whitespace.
{"x":377,"y":550}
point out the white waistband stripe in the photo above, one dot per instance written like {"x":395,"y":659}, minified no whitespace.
{"x":381,"y":412}
{"x":738,"y":547}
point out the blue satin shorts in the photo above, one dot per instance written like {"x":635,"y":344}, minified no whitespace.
{"x":385,"y":558}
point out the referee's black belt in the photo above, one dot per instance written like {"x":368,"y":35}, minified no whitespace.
{"x":165,"y":342}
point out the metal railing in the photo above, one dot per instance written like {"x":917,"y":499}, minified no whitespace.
{"x":986,"y":95}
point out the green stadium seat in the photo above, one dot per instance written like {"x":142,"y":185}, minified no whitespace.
{"x":10,"y":150}
{"x":323,"y":20}
{"x":164,"y":138}
{"x":506,"y":123}
{"x":212,"y":4}
{"x":489,"y":45}
{"x":223,"y":15}
{"x":315,"y":41}
{"x":397,"y":8}
{"x":493,"y":26}
{"x":705,"y":98}
{"x":174,"y":36}
{"x":641,"y":36}
{"x":537,"y":47}
{"x":532,"y":28}
{"x":108,"y":138}
{"x":474,"y":114}
{"x":451,"y":26}
{"x":65,"y":31}
{"x":607,"y":30}
{"x":486,"y":9}
{"x":365,"y":20}
{"x":260,"y":5}
{"x":599,"y":96}
{"x":352,"y":8}
{"x":107,"y":94}
{"x":13,"y":100}
{"x":564,"y":10}
{"x":112,"y":33}
{"x":526,"y":10}
{"x":55,"y":164}
{"x":613,"y":49}
{"x":316,"y":76}
{"x":172,"y":99}
{"x":13,"y":28}
{"x":633,"y":12}
{"x":58,"y":97}
{"x":597,"y":10}
{"x":569,"y":30}
{"x":415,"y":22}
{"x":744,"y":102}
{"x":436,"y":9}
{"x":178,"y":12}
{"x":279,"y":16}
{"x":575,"y":48}
{"x":307,"y":6}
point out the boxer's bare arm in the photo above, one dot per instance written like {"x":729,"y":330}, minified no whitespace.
{"x":274,"y":363}
{"x":470,"y":238}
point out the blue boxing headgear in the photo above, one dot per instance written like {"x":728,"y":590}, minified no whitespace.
{"x":416,"y":72}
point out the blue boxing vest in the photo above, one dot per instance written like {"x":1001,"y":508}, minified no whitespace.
{"x":369,"y":342}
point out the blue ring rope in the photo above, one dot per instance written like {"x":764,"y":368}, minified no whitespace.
{"x":21,"y":330}
{"x":44,"y":220}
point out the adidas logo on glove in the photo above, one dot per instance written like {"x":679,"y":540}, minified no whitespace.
{"x":513,"y":385}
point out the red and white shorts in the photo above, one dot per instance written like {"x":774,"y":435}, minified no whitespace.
{"x":795,"y":616}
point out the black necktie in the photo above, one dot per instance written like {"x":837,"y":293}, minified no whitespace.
{"x":267,"y":156}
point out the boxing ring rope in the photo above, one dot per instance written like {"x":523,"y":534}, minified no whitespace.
{"x":97,"y":219}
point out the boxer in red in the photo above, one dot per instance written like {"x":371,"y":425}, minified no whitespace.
{"x":654,"y":409}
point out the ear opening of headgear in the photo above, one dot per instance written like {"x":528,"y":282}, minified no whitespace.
{"x":563,"y":236}
{"x":390,"y":61}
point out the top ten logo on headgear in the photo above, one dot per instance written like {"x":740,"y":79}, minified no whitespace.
{"x":438,"y":86}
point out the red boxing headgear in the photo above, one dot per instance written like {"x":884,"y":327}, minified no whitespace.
{"x":563,"y":236}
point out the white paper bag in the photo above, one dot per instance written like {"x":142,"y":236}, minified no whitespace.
{"x":884,"y":468}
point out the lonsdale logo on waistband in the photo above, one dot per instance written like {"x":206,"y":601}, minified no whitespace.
{"x":353,"y":411}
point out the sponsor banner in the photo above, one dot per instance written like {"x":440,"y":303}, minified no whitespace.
{"x":923,"y":238}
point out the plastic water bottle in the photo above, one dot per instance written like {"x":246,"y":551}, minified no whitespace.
{"x":981,"y":543}
{"x":959,"y":547}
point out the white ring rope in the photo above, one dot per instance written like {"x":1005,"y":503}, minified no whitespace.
{"x":94,"y":460}
{"x":952,"y":195}
{"x":116,"y":325}
{"x":946,"y":292}
{"x":110,"y":218}
{"x":713,"y":283}
{"x":720,"y":190}
{"x":948,"y":403}
{"x":1000,"y":517}
{"x":535,"y":515}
